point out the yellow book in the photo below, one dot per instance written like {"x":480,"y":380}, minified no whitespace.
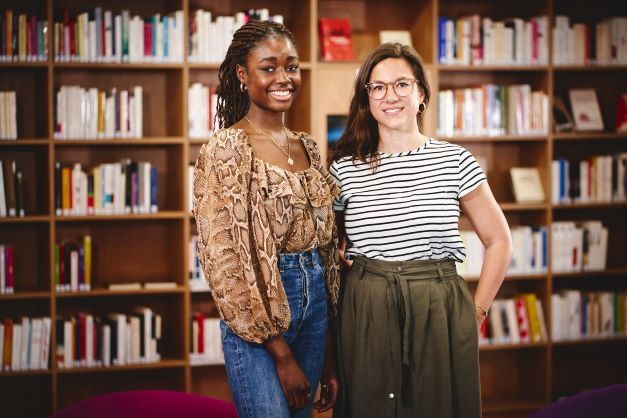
{"x":87,"y":249}
{"x":21,"y":43}
{"x":97,"y":189}
{"x":102,"y":102}
{"x":66,"y":190}
{"x":534,"y":319}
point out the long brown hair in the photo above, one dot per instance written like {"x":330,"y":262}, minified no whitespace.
{"x":361,"y":136}
{"x":233,"y":103}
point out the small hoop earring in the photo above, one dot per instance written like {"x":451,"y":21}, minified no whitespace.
{"x":242,"y":87}
{"x":422,"y":107}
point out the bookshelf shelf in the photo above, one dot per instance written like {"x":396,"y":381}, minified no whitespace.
{"x":24,"y":142}
{"x":120,"y":141}
{"x":114,"y":293}
{"x":25,"y":373}
{"x":25,"y":219}
{"x":592,"y":136}
{"x":163,"y":364}
{"x":152,"y":247}
{"x":610,"y":272}
{"x":163,"y":215}
{"x":505,"y":406}
{"x":497,"y":139}
{"x":498,"y":347}
{"x":591,"y":341}
{"x":590,"y":205}
{"x":590,"y":68}
{"x":23,"y":64}
{"x":516,"y":207}
{"x":110,"y":66}
{"x":490,"y":68}
{"x":26,"y":296}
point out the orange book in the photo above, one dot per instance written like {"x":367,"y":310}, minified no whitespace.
{"x":66,"y":190}
{"x":8,"y":344}
{"x":8,"y":22}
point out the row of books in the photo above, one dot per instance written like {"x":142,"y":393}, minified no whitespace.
{"x":584,"y":43}
{"x":100,"y":36}
{"x":476,"y":40}
{"x":576,"y":314}
{"x":11,"y":190}
{"x":24,"y":344}
{"x":530,"y":255}
{"x":112,"y":188}
{"x":72,"y":265}
{"x":202,"y":102}
{"x":197,"y":282}
{"x":92,"y":113}
{"x":23,"y":37}
{"x":118,"y":339}
{"x":209,"y":39}
{"x":579,"y":246}
{"x":206,"y":344}
{"x":7,"y":272}
{"x":8,"y":115}
{"x":492,"y":110}
{"x":601,"y":178}
{"x":519,"y":320}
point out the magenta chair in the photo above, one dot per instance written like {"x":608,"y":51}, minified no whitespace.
{"x":607,"y":402}
{"x":149,"y":404}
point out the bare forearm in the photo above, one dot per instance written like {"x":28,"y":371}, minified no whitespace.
{"x":495,"y":264}
{"x":279,"y":349}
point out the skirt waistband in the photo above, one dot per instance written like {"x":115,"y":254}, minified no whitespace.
{"x":417,"y":269}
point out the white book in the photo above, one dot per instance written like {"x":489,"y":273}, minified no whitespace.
{"x":36,"y":342}
{"x":45,"y":342}
{"x":106,"y":345}
{"x":586,"y":111}
{"x":3,"y":272}
{"x":135,"y":350}
{"x":68,"y":343}
{"x":89,"y":340}
{"x":25,"y":344}
{"x":16,"y":349}
{"x":496,"y":324}
{"x":557,"y":326}
{"x":512,"y":320}
{"x":138,"y":120}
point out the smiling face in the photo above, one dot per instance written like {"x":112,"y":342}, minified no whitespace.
{"x":271,"y":74}
{"x":395,"y":112}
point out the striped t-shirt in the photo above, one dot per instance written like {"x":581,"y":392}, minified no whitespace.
{"x":409,"y":208}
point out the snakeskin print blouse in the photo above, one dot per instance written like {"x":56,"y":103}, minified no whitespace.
{"x":247,"y":212}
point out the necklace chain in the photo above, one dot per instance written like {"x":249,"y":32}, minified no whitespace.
{"x":265,"y":134}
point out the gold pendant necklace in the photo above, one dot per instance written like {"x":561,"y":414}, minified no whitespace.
{"x":260,"y":131}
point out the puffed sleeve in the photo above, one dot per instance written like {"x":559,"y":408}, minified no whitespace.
{"x":236,"y":253}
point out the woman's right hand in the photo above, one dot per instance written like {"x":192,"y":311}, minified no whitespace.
{"x":345,"y":264}
{"x":293,"y":381}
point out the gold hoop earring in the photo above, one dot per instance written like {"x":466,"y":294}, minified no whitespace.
{"x":242,"y":87}
{"x":422,"y":107}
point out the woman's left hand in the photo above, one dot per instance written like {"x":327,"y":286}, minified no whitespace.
{"x":329,"y":389}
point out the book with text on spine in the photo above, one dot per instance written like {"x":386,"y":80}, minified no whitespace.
{"x":336,"y":41}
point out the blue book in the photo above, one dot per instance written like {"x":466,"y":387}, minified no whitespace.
{"x":154,"y":205}
{"x":442,"y":39}
{"x":166,"y":45}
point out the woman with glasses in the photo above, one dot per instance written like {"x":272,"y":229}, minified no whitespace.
{"x":267,"y":238}
{"x":408,"y":325}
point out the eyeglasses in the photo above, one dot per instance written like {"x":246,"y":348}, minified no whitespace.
{"x":402,"y":88}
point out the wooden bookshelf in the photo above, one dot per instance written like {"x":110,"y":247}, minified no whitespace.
{"x":516,"y":379}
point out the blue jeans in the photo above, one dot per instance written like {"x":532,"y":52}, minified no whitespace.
{"x":251,"y":368}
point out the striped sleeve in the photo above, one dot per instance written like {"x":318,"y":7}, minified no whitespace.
{"x":338,"y":203}
{"x":470,"y":173}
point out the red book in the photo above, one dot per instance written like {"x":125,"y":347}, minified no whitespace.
{"x":336,"y":40}
{"x":62,"y":280}
{"x":147,"y":39}
{"x":82,"y":325}
{"x":621,"y":113}
{"x":8,"y":261}
{"x":523,"y":320}
{"x":72,"y":40}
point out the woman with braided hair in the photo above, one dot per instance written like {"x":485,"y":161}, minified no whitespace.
{"x":267,"y":236}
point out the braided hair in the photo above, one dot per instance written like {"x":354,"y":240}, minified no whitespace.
{"x":232,"y":102}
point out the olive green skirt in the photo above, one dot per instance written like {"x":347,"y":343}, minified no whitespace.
{"x":407,"y":342}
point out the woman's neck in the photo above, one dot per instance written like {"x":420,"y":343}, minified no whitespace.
{"x":265,"y":119}
{"x":393,"y":140}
